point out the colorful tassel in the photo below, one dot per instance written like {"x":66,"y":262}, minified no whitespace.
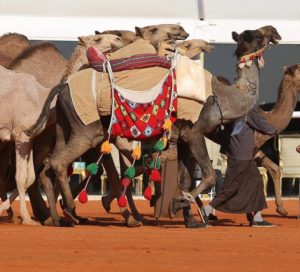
{"x":155,"y":164}
{"x":148,"y":193}
{"x":93,"y":168}
{"x":122,"y":201}
{"x":106,"y":148}
{"x":136,"y":153}
{"x":130,"y":172}
{"x":159,"y":146}
{"x":83,"y":197}
{"x":155,"y":175}
{"x":167,"y":125}
{"x":125,"y":182}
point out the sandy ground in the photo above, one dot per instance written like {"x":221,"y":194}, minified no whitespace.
{"x":107,"y":245}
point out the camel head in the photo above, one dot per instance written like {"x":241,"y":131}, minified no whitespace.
{"x":250,"y":41}
{"x":105,"y":42}
{"x":127,"y":36}
{"x":270,"y":34}
{"x":293,"y":72}
{"x":191,"y":48}
{"x":161,"y":33}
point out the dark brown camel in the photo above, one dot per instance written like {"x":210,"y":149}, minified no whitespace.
{"x":71,"y":133}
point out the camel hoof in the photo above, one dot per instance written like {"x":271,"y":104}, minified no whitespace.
{"x":106,"y":203}
{"x":16,"y":220}
{"x":30,"y":222}
{"x":132,"y":223}
{"x":282,"y":211}
{"x":62,"y":222}
{"x":48,"y":222}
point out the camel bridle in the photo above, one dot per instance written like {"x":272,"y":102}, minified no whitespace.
{"x":246,"y":60}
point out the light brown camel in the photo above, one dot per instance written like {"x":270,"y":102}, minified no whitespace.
{"x":11,"y":46}
{"x":168,"y":33}
{"x":280,"y":117}
{"x":105,"y":42}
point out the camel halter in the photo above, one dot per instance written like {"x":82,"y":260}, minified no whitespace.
{"x":247,"y":60}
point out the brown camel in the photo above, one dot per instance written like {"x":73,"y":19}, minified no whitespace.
{"x":11,"y":46}
{"x":280,"y":117}
{"x":29,"y":62}
{"x":126,"y":35}
{"x":228,"y":103}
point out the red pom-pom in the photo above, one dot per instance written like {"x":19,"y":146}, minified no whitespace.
{"x":70,"y":171}
{"x":122,"y":201}
{"x":148,"y":193}
{"x":155,"y":175}
{"x":83,"y":197}
{"x":125,"y":182}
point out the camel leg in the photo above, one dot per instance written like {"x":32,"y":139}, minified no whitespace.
{"x":47,"y":179}
{"x":60,"y":162}
{"x":274,"y":171}
{"x":199,"y":151}
{"x":24,"y":176}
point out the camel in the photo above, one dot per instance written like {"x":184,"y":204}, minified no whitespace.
{"x":168,"y":33}
{"x":279,"y":117}
{"x":228,"y":103}
{"x":11,"y":46}
{"x":105,"y":42}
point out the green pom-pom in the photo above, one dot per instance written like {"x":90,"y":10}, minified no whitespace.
{"x":130,"y":172}
{"x":93,"y":168}
{"x":159,"y":146}
{"x":155,"y":164}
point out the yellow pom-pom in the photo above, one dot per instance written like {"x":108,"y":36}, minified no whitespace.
{"x":165,"y":140}
{"x":136,"y":153}
{"x":106,"y":148}
{"x":167,"y":125}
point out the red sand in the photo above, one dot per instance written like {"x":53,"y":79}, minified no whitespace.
{"x":108,"y":245}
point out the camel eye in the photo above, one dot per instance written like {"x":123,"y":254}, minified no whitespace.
{"x":98,"y":39}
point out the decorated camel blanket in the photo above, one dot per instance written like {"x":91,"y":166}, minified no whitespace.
{"x":91,"y":91}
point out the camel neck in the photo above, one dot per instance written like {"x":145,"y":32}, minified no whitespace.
{"x":77,"y":59}
{"x":286,"y":102}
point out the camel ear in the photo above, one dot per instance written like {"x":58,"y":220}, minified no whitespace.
{"x":97,"y":32}
{"x":138,"y":31}
{"x":235,"y":36}
{"x":81,"y":40}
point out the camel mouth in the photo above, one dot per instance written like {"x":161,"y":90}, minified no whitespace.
{"x":209,"y":48}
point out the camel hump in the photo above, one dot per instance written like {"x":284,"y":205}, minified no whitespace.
{"x":32,"y":50}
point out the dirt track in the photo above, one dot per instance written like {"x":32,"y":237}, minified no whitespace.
{"x":109,"y":246}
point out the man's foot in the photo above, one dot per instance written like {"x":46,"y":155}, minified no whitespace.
{"x":263,"y":223}
{"x":176,"y":205}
